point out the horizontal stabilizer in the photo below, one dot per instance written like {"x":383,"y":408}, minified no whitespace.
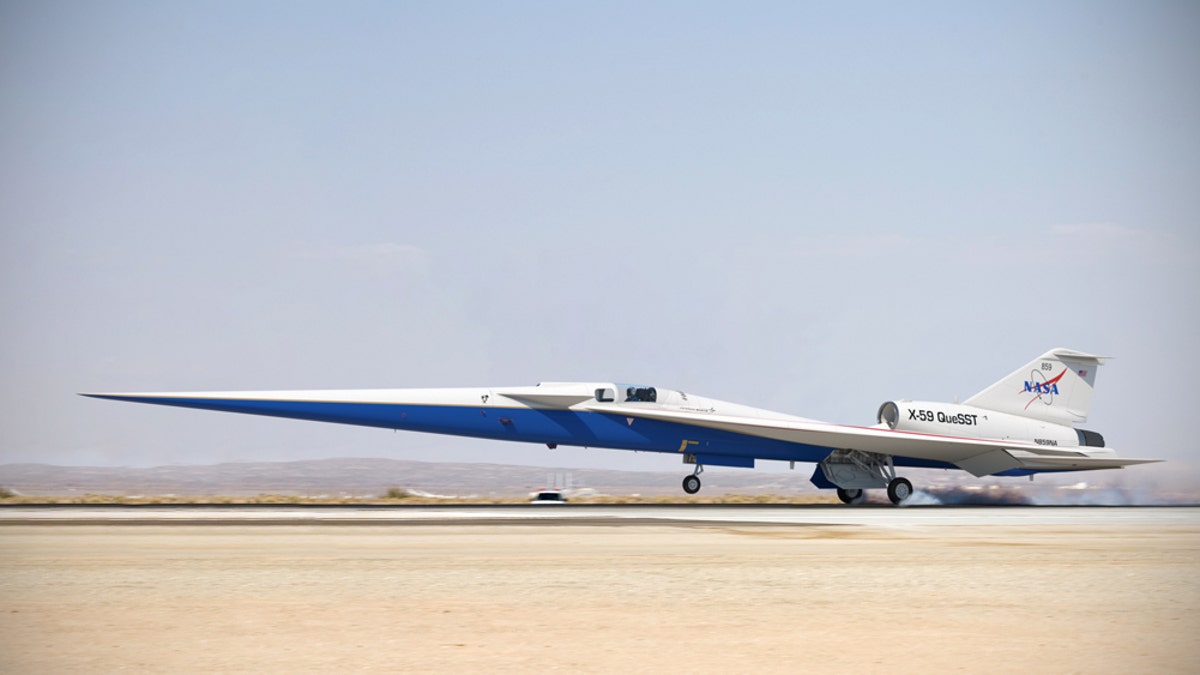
{"x":1035,"y":461}
{"x":999,"y":461}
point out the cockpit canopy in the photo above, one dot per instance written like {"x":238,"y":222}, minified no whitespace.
{"x":632,"y":393}
{"x":647,"y":394}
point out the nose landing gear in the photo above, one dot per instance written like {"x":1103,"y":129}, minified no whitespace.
{"x":691,"y":484}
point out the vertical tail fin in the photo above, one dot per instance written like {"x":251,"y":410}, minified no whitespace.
{"x":1055,"y":387}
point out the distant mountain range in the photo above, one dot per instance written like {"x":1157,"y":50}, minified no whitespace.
{"x":372,"y":477}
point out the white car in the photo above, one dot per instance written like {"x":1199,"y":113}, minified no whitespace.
{"x":549,"y":497}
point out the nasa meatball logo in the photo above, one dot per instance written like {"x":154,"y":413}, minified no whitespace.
{"x":1040,"y":388}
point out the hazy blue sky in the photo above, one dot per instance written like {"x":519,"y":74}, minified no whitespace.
{"x":809,"y":207}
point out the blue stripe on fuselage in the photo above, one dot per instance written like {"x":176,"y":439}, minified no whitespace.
{"x":559,"y":427}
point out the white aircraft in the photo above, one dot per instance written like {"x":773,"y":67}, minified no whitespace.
{"x":1021,"y":425}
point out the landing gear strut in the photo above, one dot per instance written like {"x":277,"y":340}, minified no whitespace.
{"x":691,"y":484}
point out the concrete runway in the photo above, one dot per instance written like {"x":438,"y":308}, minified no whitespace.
{"x":588,"y":514}
{"x":599,"y":589}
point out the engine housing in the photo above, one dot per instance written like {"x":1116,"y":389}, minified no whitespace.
{"x":964,"y":421}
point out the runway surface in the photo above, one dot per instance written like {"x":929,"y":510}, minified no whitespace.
{"x":599,"y":589}
{"x":587,"y":514}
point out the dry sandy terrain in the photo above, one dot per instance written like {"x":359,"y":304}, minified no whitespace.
{"x":606,"y":598}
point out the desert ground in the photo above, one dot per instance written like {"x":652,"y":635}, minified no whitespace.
{"x":599,"y":596}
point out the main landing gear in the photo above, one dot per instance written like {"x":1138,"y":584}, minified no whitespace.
{"x":899,"y":489}
{"x":854,"y":471}
{"x":855,"y":496}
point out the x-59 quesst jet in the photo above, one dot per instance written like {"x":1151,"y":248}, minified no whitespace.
{"x":1019,"y":426}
